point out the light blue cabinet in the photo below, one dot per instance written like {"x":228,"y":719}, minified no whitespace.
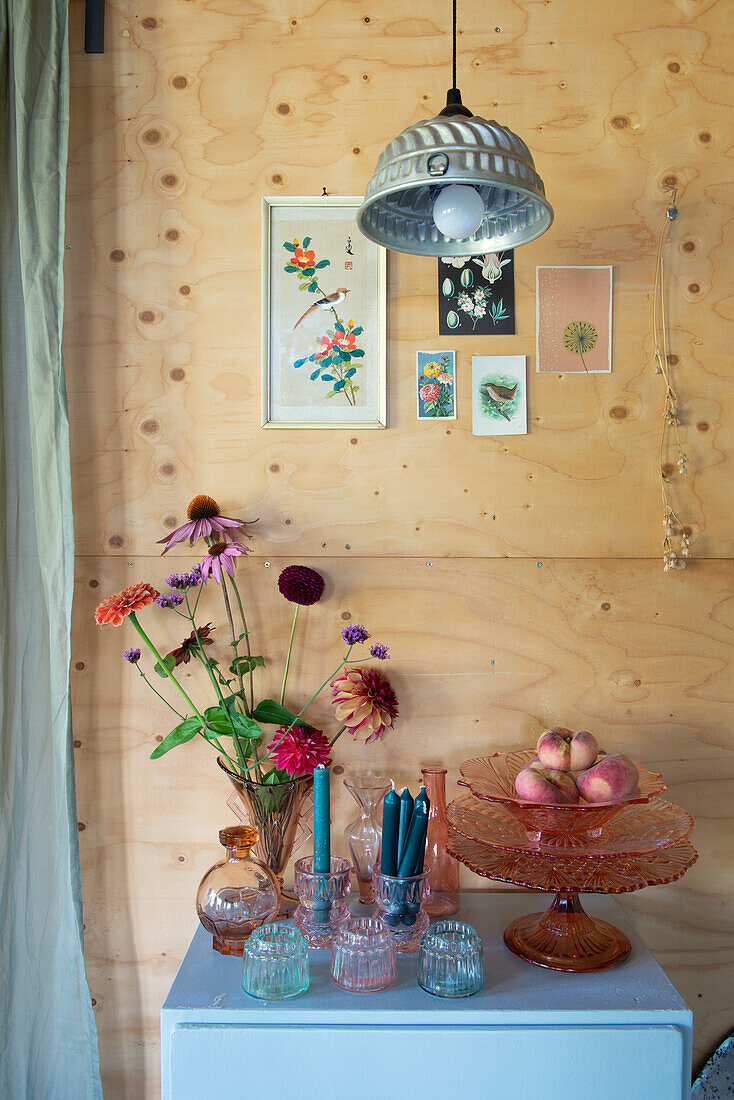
{"x":531,"y":1034}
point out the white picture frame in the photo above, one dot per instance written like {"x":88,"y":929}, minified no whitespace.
{"x":313,"y":347}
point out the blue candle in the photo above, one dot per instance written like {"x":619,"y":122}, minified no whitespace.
{"x":321,"y":821}
{"x":424,"y":800}
{"x":406,"y":812}
{"x":390,"y":823}
{"x":416,"y":840}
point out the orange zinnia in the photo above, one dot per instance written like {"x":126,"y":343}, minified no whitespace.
{"x":116,"y":608}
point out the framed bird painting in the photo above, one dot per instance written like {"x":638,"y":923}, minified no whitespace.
{"x":323,"y":317}
{"x":499,"y":396}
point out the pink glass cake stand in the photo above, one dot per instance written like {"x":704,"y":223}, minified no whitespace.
{"x":600,"y":848}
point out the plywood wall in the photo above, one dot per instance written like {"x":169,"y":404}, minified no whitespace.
{"x":517,"y":580}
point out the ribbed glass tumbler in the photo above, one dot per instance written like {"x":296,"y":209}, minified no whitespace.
{"x":322,"y":904}
{"x":363,"y":956}
{"x":275,"y":963}
{"x":451,"y":960}
{"x":400,"y":908}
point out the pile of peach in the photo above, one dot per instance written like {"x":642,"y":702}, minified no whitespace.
{"x":565,"y":771}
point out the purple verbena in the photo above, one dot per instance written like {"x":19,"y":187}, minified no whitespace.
{"x":185,"y":580}
{"x":381,"y":652}
{"x":169,"y":599}
{"x":354,"y":635}
{"x":132,"y":655}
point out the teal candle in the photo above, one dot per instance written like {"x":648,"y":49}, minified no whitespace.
{"x":321,"y":821}
{"x":424,"y":800}
{"x":416,"y":840}
{"x":406,"y":812}
{"x":390,"y":825}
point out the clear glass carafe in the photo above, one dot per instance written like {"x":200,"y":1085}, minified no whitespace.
{"x":364,"y":834}
{"x":443,"y":896}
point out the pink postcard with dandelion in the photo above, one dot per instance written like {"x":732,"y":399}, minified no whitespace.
{"x":436,"y":384}
{"x":323,"y":321}
{"x":574,"y":319}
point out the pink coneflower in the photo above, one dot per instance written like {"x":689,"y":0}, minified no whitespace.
{"x":298,"y":751}
{"x":221,"y":557}
{"x":204,"y":520}
{"x":364,"y":702}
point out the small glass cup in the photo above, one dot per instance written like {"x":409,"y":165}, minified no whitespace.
{"x":400,"y":908}
{"x":451,"y":960}
{"x":363,"y":956}
{"x":322,"y":903}
{"x":275,"y":963}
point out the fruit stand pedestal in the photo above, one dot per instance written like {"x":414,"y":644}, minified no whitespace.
{"x":530,"y":1033}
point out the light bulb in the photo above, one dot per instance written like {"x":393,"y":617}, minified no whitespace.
{"x":458,"y":211}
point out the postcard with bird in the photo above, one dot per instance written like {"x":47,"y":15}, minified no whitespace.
{"x":436,"y":384}
{"x":574,"y":319}
{"x":499,"y":395}
{"x":323,"y":317}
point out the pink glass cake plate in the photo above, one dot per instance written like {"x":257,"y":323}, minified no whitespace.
{"x":602,"y":848}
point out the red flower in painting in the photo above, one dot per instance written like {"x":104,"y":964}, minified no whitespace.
{"x":345,"y":341}
{"x":303,"y":257}
{"x":430,"y":392}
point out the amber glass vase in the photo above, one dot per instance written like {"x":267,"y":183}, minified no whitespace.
{"x":443,"y":881}
{"x":273,"y":810}
{"x":238,"y":894}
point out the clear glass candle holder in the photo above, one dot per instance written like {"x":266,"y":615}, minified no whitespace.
{"x":400,"y":908}
{"x":363,"y":956}
{"x":451,"y":960}
{"x":275,"y":963}
{"x":322,"y":905}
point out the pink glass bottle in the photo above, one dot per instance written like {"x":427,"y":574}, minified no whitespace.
{"x":443,"y":881}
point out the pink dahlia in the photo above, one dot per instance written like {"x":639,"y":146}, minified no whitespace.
{"x":299,"y":751}
{"x":364,"y":702}
{"x":205,"y":519}
{"x":430,"y":392}
{"x":221,"y":556}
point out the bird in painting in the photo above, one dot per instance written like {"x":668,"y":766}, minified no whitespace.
{"x":498,"y":396}
{"x":326,"y":303}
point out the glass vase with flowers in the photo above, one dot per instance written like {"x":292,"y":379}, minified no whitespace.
{"x":272,"y":771}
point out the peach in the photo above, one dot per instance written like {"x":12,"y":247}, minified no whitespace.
{"x":613,"y":778}
{"x":545,"y":785}
{"x":564,"y":751}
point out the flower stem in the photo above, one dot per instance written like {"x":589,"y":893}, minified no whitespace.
{"x":169,"y":674}
{"x":288,"y":655}
{"x":247,"y":643}
{"x":156,"y":692}
{"x":234,"y":644}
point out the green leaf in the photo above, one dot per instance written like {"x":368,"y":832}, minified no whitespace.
{"x":340,"y":327}
{"x":323,"y":263}
{"x":303,"y":286}
{"x":328,"y":378}
{"x":182,"y":733}
{"x":358,"y":330}
{"x":308,"y":272}
{"x":358,"y":353}
{"x":289,"y":246}
{"x":339,"y":385}
{"x":306,"y":242}
{"x":331,"y":393}
{"x":273,"y":714}
{"x":170,"y":663}
{"x":312,"y":287}
{"x":244,"y":664}
{"x":354,"y":389}
{"x":350,"y":372}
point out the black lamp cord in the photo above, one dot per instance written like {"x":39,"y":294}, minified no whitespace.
{"x":453,"y":85}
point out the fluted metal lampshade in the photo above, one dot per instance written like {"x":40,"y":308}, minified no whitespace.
{"x":397,"y":211}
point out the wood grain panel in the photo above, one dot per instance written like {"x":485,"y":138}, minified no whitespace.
{"x":197,"y":109}
{"x":600,"y":645}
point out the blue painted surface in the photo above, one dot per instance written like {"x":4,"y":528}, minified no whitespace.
{"x":623,"y":1034}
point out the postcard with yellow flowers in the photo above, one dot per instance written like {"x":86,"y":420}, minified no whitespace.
{"x":574,"y":319}
{"x":436,"y":385}
{"x":323,"y":326}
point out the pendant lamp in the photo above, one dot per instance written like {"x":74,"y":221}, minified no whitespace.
{"x":455,"y":185}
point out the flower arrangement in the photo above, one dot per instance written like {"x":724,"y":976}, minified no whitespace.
{"x":364,"y":703}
